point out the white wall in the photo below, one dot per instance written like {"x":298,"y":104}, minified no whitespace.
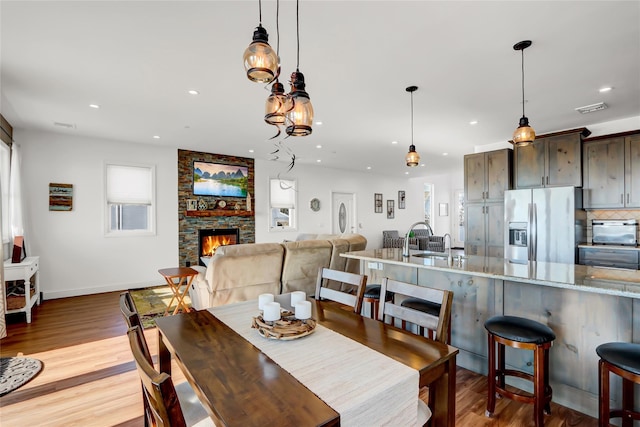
{"x":77,"y":259}
{"x":75,"y":256}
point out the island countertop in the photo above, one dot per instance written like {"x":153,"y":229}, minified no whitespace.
{"x":611,"y":281}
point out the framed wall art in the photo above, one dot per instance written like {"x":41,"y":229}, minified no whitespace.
{"x":60,"y":197}
{"x":401,"y":199}
{"x":390,"y":209}
{"x":377,"y":202}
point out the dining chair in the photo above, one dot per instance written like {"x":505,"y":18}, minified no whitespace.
{"x":437,"y":321}
{"x":353,"y":298}
{"x":167,"y":407}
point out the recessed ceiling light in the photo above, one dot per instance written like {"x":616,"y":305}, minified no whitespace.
{"x":422,"y":165}
{"x":251,"y":151}
{"x":605,"y":89}
{"x":156,"y":137}
{"x":473,"y":122}
{"x":193,"y":92}
{"x":406,"y":173}
{"x":318,"y":146}
{"x":445,"y":154}
{"x":368,"y":168}
{"x":96,"y":106}
{"x":394,"y":142}
{"x":318,"y":160}
{"x":319,"y":123}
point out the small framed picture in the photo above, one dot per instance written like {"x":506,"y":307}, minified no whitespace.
{"x":401,"y":199}
{"x":390,"y":209}
{"x":443,"y":209}
{"x":192,"y":204}
{"x":377,"y":202}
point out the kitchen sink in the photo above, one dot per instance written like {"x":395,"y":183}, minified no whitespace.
{"x":429,"y":254}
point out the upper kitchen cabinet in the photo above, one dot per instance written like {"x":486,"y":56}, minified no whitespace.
{"x":611,"y":169}
{"x":552,"y":160}
{"x":487,"y":175}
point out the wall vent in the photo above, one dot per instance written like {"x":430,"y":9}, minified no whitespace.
{"x":591,"y":108}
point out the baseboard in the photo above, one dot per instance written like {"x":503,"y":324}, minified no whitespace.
{"x":47,"y":295}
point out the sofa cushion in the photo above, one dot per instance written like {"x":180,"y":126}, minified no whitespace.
{"x":302,"y":260}
{"x":243,"y":272}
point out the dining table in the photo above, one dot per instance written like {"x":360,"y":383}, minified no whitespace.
{"x":351,"y":370}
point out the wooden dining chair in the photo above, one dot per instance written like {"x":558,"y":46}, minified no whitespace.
{"x":353,"y":298}
{"x":167,"y":407}
{"x":437,"y":321}
{"x":132,"y":318}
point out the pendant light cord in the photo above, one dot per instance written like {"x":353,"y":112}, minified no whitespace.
{"x":522,"y":51}
{"x":278,"y":29}
{"x":260,"y":10}
{"x":298,"y":34}
{"x":411,"y":118}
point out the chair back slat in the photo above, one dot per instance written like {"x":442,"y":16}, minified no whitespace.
{"x":132,"y":318}
{"x":440,"y":324}
{"x":159,"y":391}
{"x":357,"y":281}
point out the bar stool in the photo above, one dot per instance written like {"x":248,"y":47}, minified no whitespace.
{"x":622,"y":359}
{"x":426,"y":307}
{"x":525,"y":334}
{"x":372,"y":296}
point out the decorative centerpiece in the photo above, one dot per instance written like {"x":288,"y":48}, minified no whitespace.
{"x":274,"y":323}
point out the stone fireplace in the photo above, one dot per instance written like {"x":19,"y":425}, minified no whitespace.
{"x":209,"y":239}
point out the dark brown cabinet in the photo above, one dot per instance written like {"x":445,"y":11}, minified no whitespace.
{"x":486,"y":177}
{"x":553,"y":160}
{"x":611,"y":170}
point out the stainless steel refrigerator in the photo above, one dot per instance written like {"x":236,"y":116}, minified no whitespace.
{"x":544,"y":224}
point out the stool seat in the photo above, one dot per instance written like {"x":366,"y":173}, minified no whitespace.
{"x":372,"y":295}
{"x":519,"y":329}
{"x":432,"y":308}
{"x":624,"y":355}
{"x":372,"y":291}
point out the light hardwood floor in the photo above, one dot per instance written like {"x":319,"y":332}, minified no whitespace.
{"x":89,"y":378}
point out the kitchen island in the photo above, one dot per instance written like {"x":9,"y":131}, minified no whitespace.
{"x":585,"y":306}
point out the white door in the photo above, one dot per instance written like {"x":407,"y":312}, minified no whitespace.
{"x":343,"y":213}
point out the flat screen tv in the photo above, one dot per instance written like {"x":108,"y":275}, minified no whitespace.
{"x":217,"y":179}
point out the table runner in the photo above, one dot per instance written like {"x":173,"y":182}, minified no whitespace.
{"x":365,"y":387}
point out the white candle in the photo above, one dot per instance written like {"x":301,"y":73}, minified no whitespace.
{"x":263,"y":299}
{"x":271,"y":311}
{"x":303,"y":310}
{"x":296,"y":297}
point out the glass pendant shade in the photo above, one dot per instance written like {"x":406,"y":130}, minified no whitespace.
{"x":260,"y":60}
{"x":524,"y":134}
{"x":300,"y":117}
{"x":413,"y":158}
{"x":277,"y":106}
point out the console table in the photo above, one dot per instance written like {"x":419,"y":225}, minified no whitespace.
{"x":25,"y":270}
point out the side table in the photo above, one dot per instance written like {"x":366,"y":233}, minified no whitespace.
{"x":185,"y":276}
{"x":25,"y":270}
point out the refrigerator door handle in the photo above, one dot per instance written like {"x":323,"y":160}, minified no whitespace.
{"x":534,"y":233}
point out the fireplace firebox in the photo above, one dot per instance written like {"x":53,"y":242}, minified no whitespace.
{"x":211,"y":238}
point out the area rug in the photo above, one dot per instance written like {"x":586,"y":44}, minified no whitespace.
{"x":16,"y":372}
{"x":152,"y":302}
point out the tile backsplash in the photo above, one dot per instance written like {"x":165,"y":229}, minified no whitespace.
{"x":609,"y":214}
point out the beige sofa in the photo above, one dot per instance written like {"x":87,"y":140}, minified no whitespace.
{"x":242,"y":272}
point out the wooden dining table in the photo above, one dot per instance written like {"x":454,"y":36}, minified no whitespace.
{"x":241,"y":386}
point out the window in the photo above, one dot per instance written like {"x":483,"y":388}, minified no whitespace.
{"x":282,"y":204}
{"x":130,"y":199}
{"x":5,"y":167}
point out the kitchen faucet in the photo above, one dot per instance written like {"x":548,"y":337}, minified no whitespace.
{"x":405,"y":247}
{"x":444,"y":241}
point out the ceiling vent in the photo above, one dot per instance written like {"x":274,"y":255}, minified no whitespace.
{"x":591,"y":108}
{"x":65,"y":125}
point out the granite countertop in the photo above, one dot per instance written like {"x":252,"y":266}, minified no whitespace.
{"x":611,"y":281}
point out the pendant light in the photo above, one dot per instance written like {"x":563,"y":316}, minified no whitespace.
{"x":413,"y":158}
{"x":300,"y":116}
{"x":524,"y":134}
{"x":278,"y":103}
{"x":260,"y":61}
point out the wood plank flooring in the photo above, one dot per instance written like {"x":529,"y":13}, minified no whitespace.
{"x":89,"y":378}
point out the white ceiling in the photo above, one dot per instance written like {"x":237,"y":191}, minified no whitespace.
{"x":137,"y":59}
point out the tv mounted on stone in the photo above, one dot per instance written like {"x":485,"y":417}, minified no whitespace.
{"x":219,"y":179}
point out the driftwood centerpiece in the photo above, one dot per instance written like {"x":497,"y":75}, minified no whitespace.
{"x":287,"y":328}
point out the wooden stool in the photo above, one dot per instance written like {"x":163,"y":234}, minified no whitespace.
{"x":525,"y":334}
{"x":426,"y":307}
{"x":372,"y":296}
{"x":622,"y":359}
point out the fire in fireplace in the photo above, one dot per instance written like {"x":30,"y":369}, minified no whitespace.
{"x":211,"y":238}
